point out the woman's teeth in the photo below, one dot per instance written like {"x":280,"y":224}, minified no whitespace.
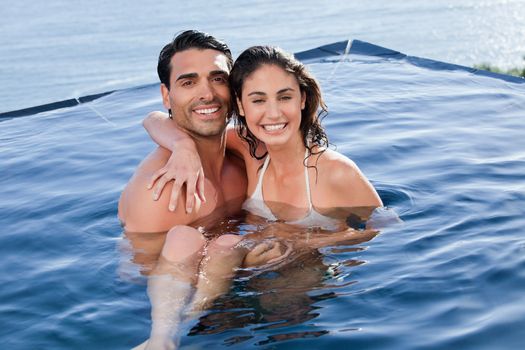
{"x":273,"y":127}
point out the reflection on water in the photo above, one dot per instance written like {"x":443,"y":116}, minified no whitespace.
{"x":275,"y":296}
{"x":279,"y":298}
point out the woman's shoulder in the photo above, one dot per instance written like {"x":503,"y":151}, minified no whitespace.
{"x":334,"y":166}
{"x":341,"y":181}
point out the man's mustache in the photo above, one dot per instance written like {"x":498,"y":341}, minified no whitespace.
{"x":215,"y":101}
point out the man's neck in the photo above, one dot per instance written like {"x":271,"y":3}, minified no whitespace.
{"x":211,"y":151}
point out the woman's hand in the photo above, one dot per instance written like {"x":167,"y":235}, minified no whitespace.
{"x":267,"y":252}
{"x":184,"y":165}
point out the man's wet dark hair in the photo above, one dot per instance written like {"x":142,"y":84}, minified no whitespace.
{"x":189,"y":39}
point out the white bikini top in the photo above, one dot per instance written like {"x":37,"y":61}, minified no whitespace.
{"x":255,"y":204}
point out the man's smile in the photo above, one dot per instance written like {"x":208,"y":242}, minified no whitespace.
{"x":208,"y":112}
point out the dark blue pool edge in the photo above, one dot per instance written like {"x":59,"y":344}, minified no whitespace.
{"x":357,"y":47}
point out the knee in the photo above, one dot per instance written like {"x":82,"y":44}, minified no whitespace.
{"x":182,"y":242}
{"x":227,"y":241}
{"x":223,"y":255}
{"x":185,"y":234}
{"x":223,"y":244}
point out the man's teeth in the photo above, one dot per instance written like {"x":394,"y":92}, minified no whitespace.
{"x":207,"y":110}
{"x":274,"y":127}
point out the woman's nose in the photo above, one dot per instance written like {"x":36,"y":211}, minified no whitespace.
{"x":273,"y":110}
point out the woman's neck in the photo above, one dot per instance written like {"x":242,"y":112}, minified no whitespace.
{"x":287,"y":158}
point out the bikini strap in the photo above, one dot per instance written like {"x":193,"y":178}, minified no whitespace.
{"x":258,"y":188}
{"x":307,"y":178}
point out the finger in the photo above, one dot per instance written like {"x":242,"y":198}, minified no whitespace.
{"x":175,"y":190}
{"x":273,"y":253}
{"x":260,"y":248}
{"x":159,"y":187}
{"x":200,"y":186}
{"x":155,"y":176}
{"x":190,"y":202}
{"x":282,"y":255}
{"x":190,"y":195}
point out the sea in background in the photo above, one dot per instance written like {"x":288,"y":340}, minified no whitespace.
{"x":60,"y":49}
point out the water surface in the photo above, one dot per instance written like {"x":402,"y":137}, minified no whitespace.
{"x":444,"y":148}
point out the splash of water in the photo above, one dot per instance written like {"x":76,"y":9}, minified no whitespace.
{"x":96,"y":112}
{"x":344,"y":56}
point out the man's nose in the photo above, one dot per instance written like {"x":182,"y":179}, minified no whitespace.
{"x":206,"y":91}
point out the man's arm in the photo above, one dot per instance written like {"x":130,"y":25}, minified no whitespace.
{"x":139,"y":212}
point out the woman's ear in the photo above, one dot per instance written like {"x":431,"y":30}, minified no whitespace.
{"x":165,"y":92}
{"x":303,"y":100}
{"x":239,"y":105}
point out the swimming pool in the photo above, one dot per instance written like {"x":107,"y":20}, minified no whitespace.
{"x":443,"y":144}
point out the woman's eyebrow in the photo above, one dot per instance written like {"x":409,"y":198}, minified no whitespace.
{"x":285,"y":90}
{"x":257,"y":93}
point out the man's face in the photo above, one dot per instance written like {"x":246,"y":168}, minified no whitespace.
{"x":199,"y":96}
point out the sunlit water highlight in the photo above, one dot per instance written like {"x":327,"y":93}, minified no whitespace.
{"x":56,"y":50}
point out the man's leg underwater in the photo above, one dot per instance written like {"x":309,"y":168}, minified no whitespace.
{"x":222,"y":257}
{"x":170,"y":286}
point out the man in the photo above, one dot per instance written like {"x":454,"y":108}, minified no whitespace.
{"x":193,"y":70}
{"x":192,"y":271}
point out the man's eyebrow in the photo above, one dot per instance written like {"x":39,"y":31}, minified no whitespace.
{"x":219,"y":72}
{"x":195,"y":75}
{"x":187,"y":76}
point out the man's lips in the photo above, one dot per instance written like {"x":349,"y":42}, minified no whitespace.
{"x":207,"y":110}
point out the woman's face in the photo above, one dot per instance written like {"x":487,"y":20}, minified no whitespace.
{"x":271,"y":102}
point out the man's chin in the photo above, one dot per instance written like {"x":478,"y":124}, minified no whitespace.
{"x":209,"y":132}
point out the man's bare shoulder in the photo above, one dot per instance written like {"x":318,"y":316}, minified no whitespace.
{"x":154,"y":161}
{"x":234,"y":177}
{"x":138,"y":211}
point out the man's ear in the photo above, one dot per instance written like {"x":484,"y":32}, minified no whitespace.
{"x":165,"y":92}
{"x":239,"y":105}
{"x":303,"y":100}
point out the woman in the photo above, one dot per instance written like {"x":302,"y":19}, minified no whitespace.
{"x":292,"y":177}
{"x":280,"y":138}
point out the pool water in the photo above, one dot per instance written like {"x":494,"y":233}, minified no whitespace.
{"x":443,"y":145}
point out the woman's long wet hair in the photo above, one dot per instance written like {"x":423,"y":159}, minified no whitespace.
{"x":315,"y":109}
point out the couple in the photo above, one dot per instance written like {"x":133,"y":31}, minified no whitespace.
{"x":275,"y":165}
